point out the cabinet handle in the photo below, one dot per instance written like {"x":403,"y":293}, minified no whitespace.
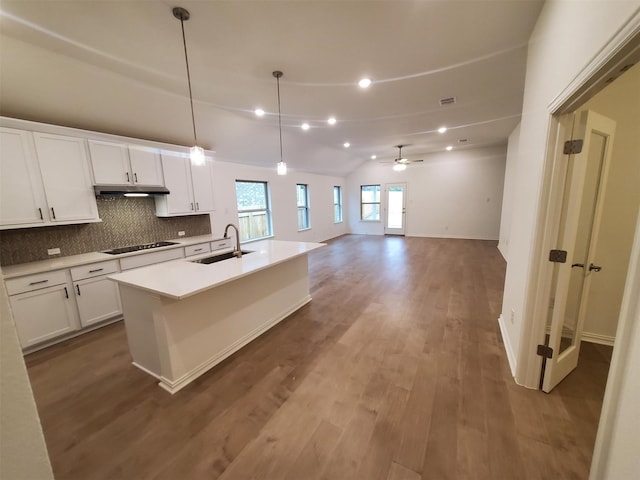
{"x":191,"y":205}
{"x":198,"y":250}
{"x":41,"y":217}
{"x":135,"y":177}
{"x":96,"y":270}
{"x":222,"y":244}
{"x":128,"y":179}
{"x":38,"y":282}
{"x":53,"y":212}
{"x":66,"y":292}
{"x":197,"y":206}
{"x":78,"y":289}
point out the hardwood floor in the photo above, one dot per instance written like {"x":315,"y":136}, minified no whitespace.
{"x":394,"y":371}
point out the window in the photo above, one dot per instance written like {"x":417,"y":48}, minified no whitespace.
{"x":302,"y":193}
{"x":254,"y":214}
{"x":370,"y":203}
{"x":337,"y":204}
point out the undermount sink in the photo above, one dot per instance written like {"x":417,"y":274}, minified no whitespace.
{"x":220,"y":257}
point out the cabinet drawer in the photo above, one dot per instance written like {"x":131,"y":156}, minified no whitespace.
{"x":150,"y":258}
{"x":35,"y":282}
{"x":197,"y":249}
{"x":94,"y":269}
{"x":221,"y":243}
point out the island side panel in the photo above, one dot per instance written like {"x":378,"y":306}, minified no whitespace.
{"x":139,"y":308}
{"x":202,"y":330}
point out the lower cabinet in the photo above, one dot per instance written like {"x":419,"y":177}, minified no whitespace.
{"x":98,"y":299}
{"x":44,"y":314}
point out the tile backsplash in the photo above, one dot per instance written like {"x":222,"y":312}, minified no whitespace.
{"x":125,"y":221}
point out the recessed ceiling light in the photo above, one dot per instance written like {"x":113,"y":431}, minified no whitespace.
{"x":331,"y":121}
{"x":364,"y":83}
{"x":442,"y":129}
{"x":347,"y":144}
{"x":259,"y":112}
{"x":373,"y":157}
{"x":449,"y":148}
{"x":304,"y":126}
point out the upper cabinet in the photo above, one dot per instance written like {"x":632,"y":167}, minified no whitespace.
{"x":45,"y":180}
{"x":191,"y":186}
{"x":119,"y":164}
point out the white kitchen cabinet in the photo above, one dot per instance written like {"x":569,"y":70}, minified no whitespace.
{"x":42,"y":307}
{"x":67,"y":181}
{"x":119,"y":164}
{"x":191,"y":187}
{"x":22,"y":199}
{"x":97,"y":297}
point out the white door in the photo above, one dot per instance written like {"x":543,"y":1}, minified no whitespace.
{"x":98,"y":299}
{"x":586,"y":176}
{"x":177,"y":177}
{"x":110,"y":162}
{"x":202,"y":179}
{"x":65,"y":174}
{"x":146,"y":167}
{"x":395,"y":211}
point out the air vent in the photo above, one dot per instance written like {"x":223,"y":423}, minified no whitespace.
{"x":463,"y":140}
{"x":448,"y":101}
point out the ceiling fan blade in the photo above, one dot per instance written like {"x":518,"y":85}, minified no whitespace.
{"x":416,"y":161}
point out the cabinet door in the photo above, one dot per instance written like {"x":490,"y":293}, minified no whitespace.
{"x":98,"y":299}
{"x":21,"y":197}
{"x":202,"y":178}
{"x":178,"y":180}
{"x":110,"y":162}
{"x":43,"y":314}
{"x":65,"y":174}
{"x":146,"y":166}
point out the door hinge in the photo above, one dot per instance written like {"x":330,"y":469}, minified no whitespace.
{"x":545,"y":351}
{"x":558,"y":256}
{"x":572,"y":146}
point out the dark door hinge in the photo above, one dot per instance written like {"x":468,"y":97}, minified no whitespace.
{"x":572,"y":146}
{"x":545,"y":351}
{"x":558,"y":256}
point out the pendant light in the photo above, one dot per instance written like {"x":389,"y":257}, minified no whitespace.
{"x":282,"y":167}
{"x":196,"y":153}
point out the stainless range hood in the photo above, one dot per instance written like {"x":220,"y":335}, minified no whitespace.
{"x":124,"y":189}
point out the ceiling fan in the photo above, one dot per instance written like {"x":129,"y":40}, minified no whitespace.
{"x":400,"y":163}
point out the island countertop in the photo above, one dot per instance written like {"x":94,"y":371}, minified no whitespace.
{"x":179,"y":279}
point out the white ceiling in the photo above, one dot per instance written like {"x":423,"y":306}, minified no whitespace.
{"x":118,"y":67}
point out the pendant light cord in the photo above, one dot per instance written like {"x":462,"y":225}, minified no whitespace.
{"x":279,"y":116}
{"x":186,"y":58}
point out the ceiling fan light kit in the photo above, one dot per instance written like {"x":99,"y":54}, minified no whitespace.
{"x":196,"y":153}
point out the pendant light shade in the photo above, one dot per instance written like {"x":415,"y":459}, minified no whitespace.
{"x":196,"y":153}
{"x":282,"y":167}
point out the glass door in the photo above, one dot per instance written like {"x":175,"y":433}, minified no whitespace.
{"x":395,"y":209}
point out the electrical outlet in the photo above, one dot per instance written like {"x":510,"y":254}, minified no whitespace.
{"x":53,"y":251}
{"x":512,"y":317}
{"x":181,"y":233}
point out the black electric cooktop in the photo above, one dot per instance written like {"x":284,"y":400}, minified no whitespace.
{"x":136,"y":248}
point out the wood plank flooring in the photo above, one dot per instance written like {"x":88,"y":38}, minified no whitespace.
{"x":395,"y":371}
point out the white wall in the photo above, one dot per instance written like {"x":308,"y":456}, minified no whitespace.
{"x":283,"y":201}
{"x":507,"y":196}
{"x":559,"y":50}
{"x":619,"y":101}
{"x":454,"y":194}
{"x":23,"y":453}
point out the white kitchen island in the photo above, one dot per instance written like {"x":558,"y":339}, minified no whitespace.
{"x":182,"y":318}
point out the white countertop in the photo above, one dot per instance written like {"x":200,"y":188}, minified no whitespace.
{"x":59,"y":263}
{"x":182,"y":278}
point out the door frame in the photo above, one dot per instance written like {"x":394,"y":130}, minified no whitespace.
{"x":386,"y":208}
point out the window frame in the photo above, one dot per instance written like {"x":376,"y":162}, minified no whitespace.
{"x":267,"y":210}
{"x":305,"y":207}
{"x":337,"y":207}
{"x":379,"y":203}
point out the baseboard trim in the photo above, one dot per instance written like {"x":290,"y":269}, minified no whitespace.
{"x":599,"y":339}
{"x":501,"y":250}
{"x":511,"y":358}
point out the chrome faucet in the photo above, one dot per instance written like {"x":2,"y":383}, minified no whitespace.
{"x":237,"y":252}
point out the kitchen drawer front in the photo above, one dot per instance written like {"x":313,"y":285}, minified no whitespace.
{"x":37,"y":281}
{"x":145,"y":259}
{"x":94,"y":270}
{"x":197,"y":249}
{"x":222,"y":243}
